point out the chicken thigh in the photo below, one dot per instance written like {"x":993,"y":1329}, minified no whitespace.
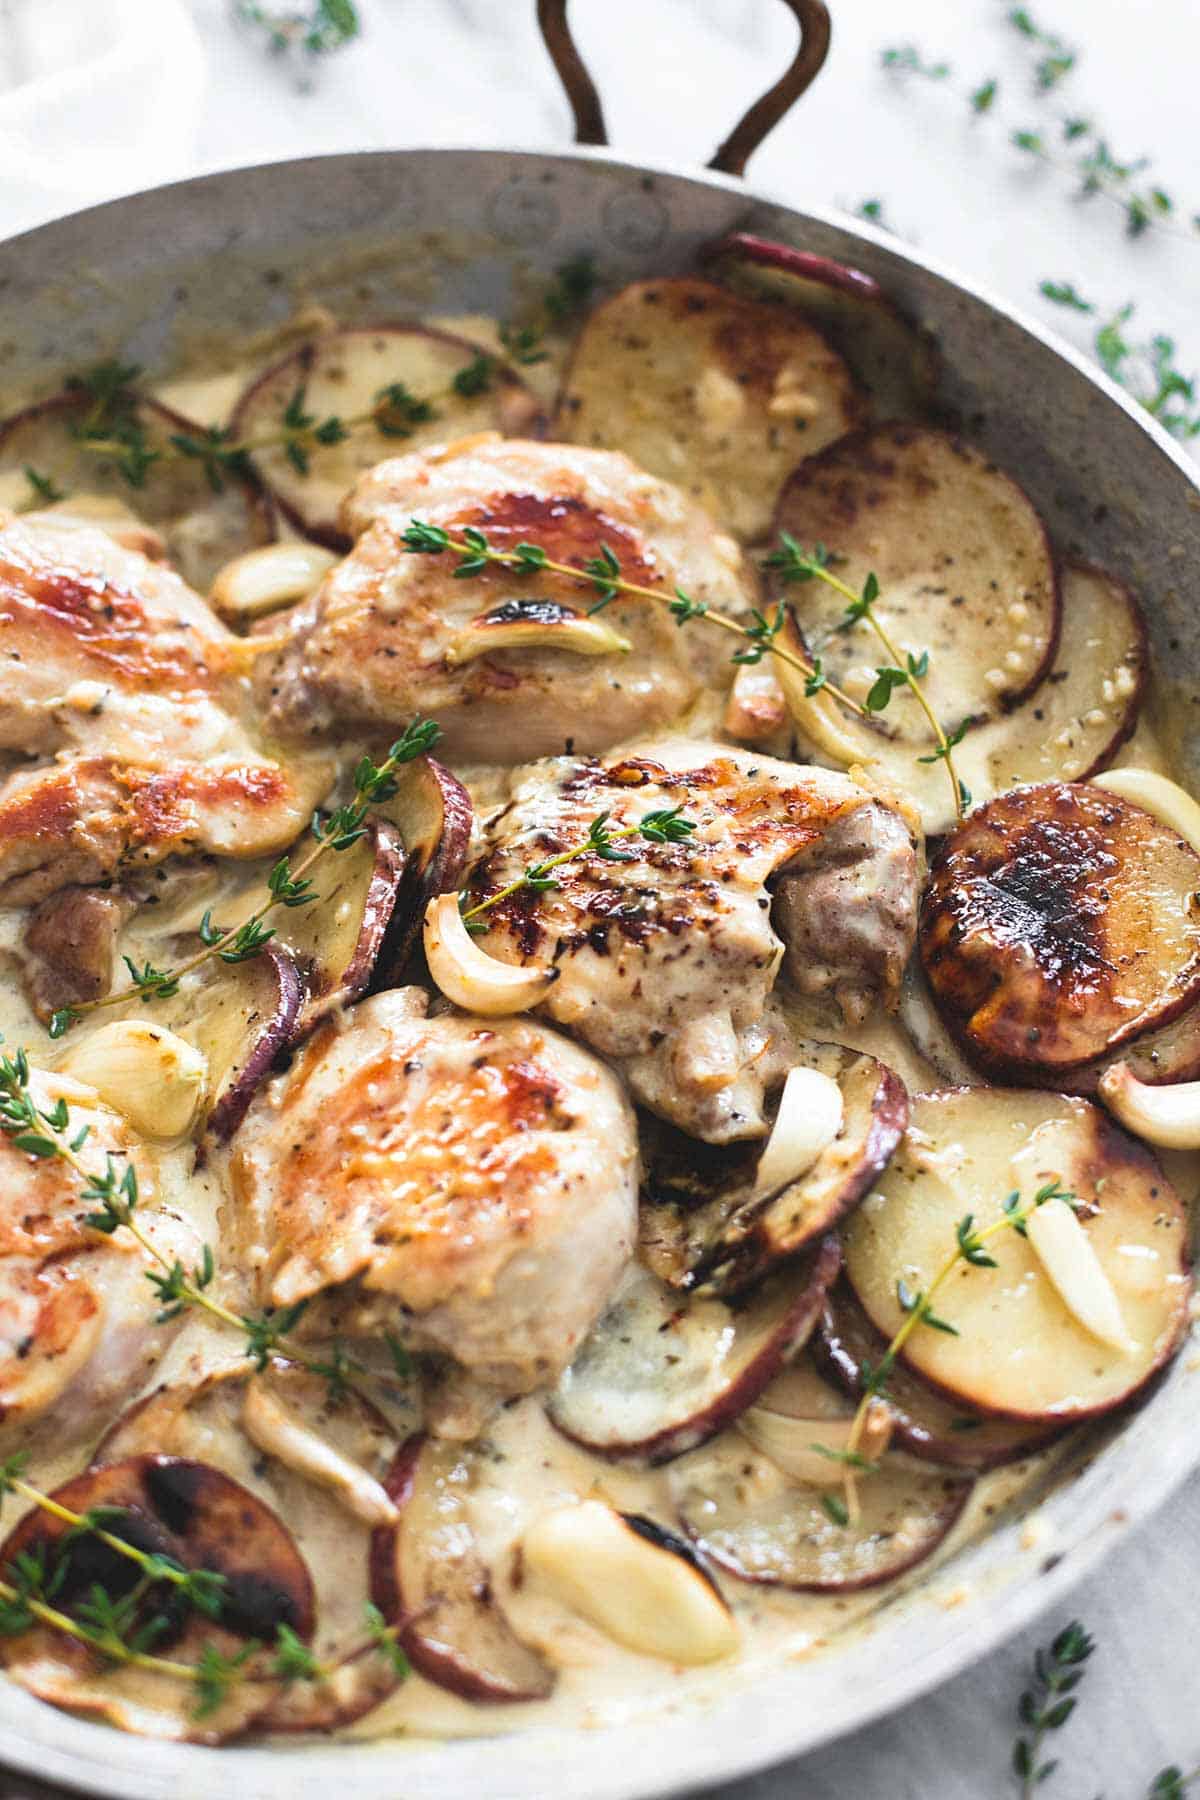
{"x":468,"y":1185}
{"x":135,"y":698}
{"x":390,"y":632}
{"x":667,"y":958}
{"x":78,"y":1330}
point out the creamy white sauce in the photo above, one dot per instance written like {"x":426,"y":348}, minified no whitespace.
{"x":527,"y":1468}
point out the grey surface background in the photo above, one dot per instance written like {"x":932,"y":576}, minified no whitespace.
{"x":676,"y":72}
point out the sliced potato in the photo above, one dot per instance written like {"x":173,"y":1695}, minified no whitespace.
{"x":201,"y":528}
{"x":239,"y":1016}
{"x":435,"y":817}
{"x":964,"y":567}
{"x":927,"y":1034}
{"x":661,"y":1373}
{"x":708,"y":1222}
{"x":346,"y":375}
{"x":337,"y":939}
{"x":744,"y":1513}
{"x":428,"y":1570}
{"x":926,"y":1424}
{"x":1072,"y":724}
{"x":1059,"y":923}
{"x":201,"y":1519}
{"x":1019,"y":1351}
{"x":210,"y":1417}
{"x":701,"y":387}
{"x":896,"y":362}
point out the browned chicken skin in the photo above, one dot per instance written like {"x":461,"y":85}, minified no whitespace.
{"x":667,"y":958}
{"x":377,"y":643}
{"x":467,"y":1184}
{"x":115,"y":671}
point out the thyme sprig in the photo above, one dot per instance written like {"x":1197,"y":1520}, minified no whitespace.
{"x":112,"y":1195}
{"x":602,"y":574}
{"x":666,"y":826}
{"x":1048,"y":1702}
{"x":791,"y":563}
{"x":1171,"y":1783}
{"x":288,"y":886}
{"x":970,"y":1241}
{"x":1147,"y":370}
{"x":1071,"y":143}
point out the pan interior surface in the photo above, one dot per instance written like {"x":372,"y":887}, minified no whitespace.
{"x":171,"y":274}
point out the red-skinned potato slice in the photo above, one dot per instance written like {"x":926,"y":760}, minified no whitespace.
{"x":702,"y":1224}
{"x":660,"y":1373}
{"x":343,"y":375}
{"x":746,"y":1515}
{"x":429,"y":1571}
{"x":203,"y":1520}
{"x":239,"y":1015}
{"x":1073,"y":723}
{"x":896,"y":362}
{"x":964,"y":567}
{"x":710,"y":390}
{"x":926,"y":1424}
{"x":334,"y":1540}
{"x":201,"y":528}
{"x":433,"y":812}
{"x":1020,"y":1353}
{"x":1059,"y":923}
{"x":337,"y":939}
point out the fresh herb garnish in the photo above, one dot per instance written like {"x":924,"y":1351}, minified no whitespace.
{"x":667,"y":826}
{"x":1048,"y":1703}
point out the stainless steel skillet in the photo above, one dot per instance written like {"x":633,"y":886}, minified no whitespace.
{"x":456,"y":231}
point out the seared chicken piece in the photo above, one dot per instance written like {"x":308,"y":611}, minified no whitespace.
{"x":112,"y":666}
{"x":71,"y":946}
{"x":467,"y":1184}
{"x":667,"y":958}
{"x":77,"y":1315}
{"x":383,"y":637}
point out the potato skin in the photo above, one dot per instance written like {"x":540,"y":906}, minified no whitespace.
{"x":1057,"y":926}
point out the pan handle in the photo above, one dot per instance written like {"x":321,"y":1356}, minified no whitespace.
{"x":812,"y":16}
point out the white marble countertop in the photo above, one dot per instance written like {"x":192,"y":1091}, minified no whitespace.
{"x":675,"y":73}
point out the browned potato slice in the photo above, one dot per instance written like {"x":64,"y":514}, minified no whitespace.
{"x":1019,"y":1351}
{"x":209,"y":1418}
{"x":703,"y":1224}
{"x":1060,"y":921}
{"x":927,"y":1425}
{"x":748,"y":1516}
{"x":201,"y":527}
{"x":428,"y":1569}
{"x":963,"y":563}
{"x":660,"y":1374}
{"x":699,"y":386}
{"x":203,"y":1520}
{"x":346,"y":374}
{"x":894,"y":359}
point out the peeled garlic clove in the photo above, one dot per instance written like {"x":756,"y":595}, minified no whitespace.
{"x":535,"y":624}
{"x":153,"y":1076}
{"x":1168,"y":802}
{"x":1065,"y":1252}
{"x":809,"y":1118}
{"x":278,"y":1432}
{"x":261,"y":581}
{"x":1168,"y":1115}
{"x":790,"y":1442}
{"x":470,"y":977}
{"x":639,"y":1584}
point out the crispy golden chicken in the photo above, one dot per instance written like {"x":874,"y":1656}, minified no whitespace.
{"x":387,"y":633}
{"x":667,"y":953}
{"x":467,"y":1184}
